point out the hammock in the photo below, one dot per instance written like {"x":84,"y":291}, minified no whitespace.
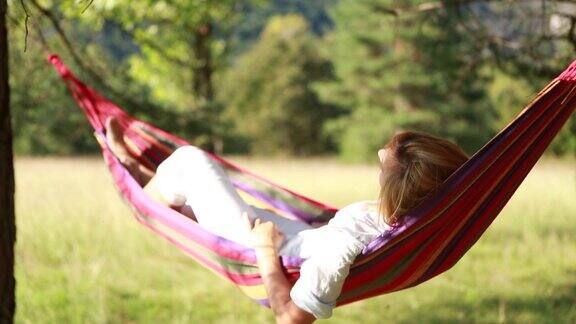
{"x":434,"y":237}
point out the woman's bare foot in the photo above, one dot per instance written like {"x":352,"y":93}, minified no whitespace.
{"x":115,"y":137}
{"x":143,"y":175}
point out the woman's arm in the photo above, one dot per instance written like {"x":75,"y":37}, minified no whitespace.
{"x":266,"y":239}
{"x":278,"y":288}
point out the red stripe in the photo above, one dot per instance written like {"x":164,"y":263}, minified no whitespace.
{"x":382,"y":265}
{"x":518,"y":175}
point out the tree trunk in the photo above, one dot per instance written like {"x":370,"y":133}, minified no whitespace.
{"x":7,"y":219}
{"x":202,"y":77}
{"x":203,"y":88}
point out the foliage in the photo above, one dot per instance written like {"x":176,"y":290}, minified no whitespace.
{"x":396,"y":73}
{"x":256,"y":18}
{"x":565,"y":143}
{"x":532,"y":40}
{"x":40,"y":129}
{"x":45,"y":119}
{"x":182,"y":44}
{"x":508,"y":93}
{"x":268,"y":91}
{"x":196,"y":68}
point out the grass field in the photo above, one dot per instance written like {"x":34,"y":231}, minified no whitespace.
{"x":81,"y":258}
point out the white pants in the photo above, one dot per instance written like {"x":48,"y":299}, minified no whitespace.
{"x":191,"y":179}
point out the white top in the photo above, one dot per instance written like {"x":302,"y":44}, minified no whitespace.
{"x":328,"y":252}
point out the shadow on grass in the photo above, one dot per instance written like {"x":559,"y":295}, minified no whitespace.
{"x":557,"y":305}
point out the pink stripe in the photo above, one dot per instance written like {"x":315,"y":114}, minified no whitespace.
{"x":190,"y":229}
{"x":236,"y":278}
{"x":134,"y":194}
{"x":570,"y":73}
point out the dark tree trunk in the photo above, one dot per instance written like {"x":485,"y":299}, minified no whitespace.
{"x":7,"y":224}
{"x":203,"y":68}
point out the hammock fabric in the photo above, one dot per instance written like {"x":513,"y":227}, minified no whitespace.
{"x":434,"y":237}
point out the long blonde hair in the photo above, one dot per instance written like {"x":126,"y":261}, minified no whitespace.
{"x":419,"y":164}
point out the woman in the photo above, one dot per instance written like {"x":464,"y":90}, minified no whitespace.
{"x":412,"y":166}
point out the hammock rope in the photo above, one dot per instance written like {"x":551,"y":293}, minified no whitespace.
{"x":435,"y":235}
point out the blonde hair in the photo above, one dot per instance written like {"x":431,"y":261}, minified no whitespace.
{"x":417,"y":164}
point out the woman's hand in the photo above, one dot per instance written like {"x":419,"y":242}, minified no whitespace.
{"x":266,"y":240}
{"x":264,"y":235}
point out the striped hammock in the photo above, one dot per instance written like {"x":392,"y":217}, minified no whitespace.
{"x":434,"y":237}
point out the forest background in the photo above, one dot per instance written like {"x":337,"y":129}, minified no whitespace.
{"x":288,"y":77}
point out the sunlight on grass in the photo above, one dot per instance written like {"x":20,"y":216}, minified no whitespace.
{"x":81,"y":258}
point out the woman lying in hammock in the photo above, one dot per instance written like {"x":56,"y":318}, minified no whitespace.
{"x":412,"y":166}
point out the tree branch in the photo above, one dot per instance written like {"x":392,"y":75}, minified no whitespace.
{"x":425,"y":7}
{"x":78,"y":60}
{"x":87,"y":6}
{"x":15,"y":22}
{"x":25,"y":24}
{"x":436,"y":5}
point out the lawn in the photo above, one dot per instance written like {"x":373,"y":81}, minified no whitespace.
{"x":81,"y":257}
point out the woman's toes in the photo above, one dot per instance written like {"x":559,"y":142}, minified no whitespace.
{"x":115,"y":139}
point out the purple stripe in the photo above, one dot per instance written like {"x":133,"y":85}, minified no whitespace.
{"x":304,"y":216}
{"x":262,"y":302}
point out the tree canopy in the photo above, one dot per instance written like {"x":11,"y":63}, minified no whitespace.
{"x":269,"y":90}
{"x":289,"y":77}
